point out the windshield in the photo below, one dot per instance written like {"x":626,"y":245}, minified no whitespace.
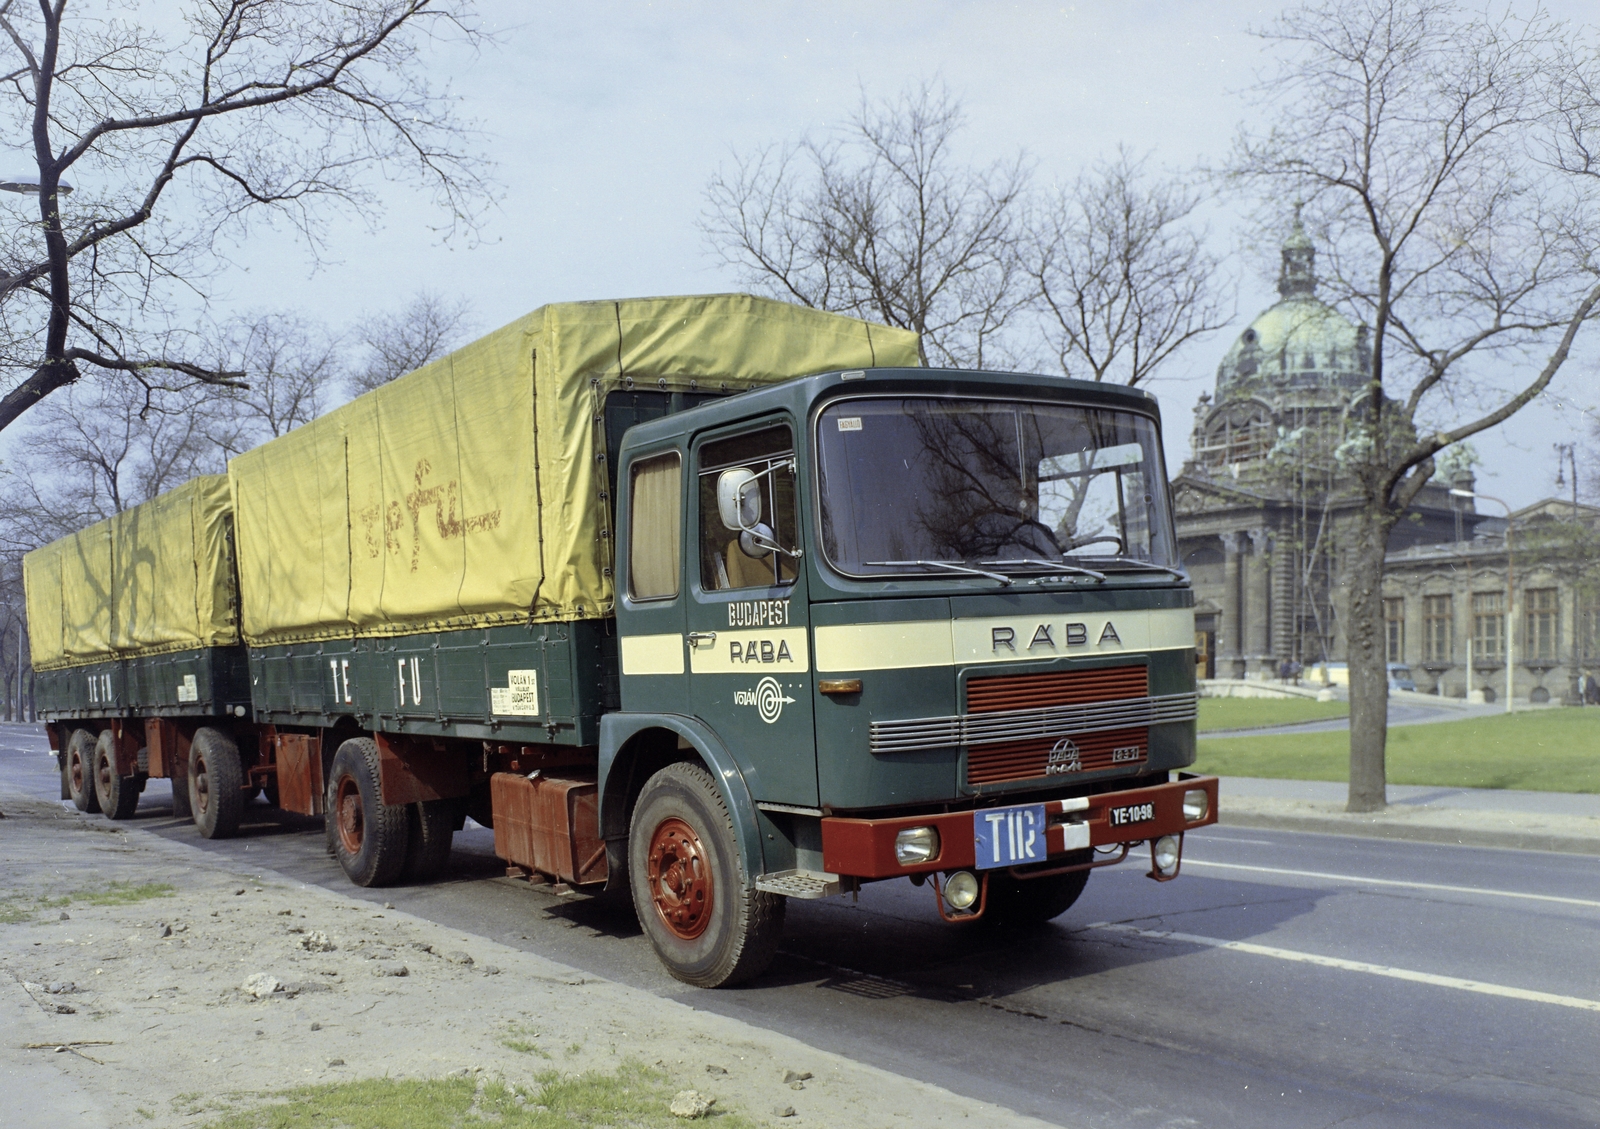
{"x":989,"y":482}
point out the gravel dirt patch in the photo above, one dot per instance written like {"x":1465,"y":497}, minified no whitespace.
{"x":144,"y":983}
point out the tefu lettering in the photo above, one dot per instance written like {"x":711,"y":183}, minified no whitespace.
{"x":1002,"y":637}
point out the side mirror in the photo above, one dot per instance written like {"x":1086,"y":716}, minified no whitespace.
{"x":757,"y":542}
{"x":738,"y":499}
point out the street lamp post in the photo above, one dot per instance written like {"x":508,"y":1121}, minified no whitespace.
{"x":1511,"y":599}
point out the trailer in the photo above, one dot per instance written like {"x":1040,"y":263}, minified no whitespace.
{"x":708,"y":602}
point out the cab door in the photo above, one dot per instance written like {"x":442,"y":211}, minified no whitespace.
{"x":650,"y":615}
{"x":748,"y":636}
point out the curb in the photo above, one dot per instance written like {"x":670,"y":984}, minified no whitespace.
{"x":1455,"y":835}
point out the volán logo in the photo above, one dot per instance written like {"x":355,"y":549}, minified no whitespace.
{"x":768,"y":698}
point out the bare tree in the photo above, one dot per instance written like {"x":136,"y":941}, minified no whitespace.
{"x":178,"y":137}
{"x":395,"y":344}
{"x":1428,"y":142}
{"x":293,"y":365}
{"x":1123,"y":279}
{"x":883,"y":221}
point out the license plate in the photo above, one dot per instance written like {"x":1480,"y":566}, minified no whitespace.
{"x":1008,"y":836}
{"x":1132,"y":813}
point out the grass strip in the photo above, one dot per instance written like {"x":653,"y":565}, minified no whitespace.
{"x":1539,"y":750}
{"x":632,"y":1096}
{"x":1258,"y":713}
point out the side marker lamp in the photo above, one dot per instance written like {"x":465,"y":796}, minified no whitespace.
{"x":1196,"y":805}
{"x":915,"y":845}
{"x":961,"y":890}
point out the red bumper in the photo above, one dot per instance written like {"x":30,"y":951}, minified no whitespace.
{"x":864,"y":848}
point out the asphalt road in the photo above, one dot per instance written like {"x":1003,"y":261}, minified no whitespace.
{"x":1283,"y":980}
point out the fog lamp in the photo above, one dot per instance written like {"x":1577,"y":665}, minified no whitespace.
{"x":916,"y":844}
{"x":1196,"y":805}
{"x":1165,"y":854}
{"x":961,"y":890}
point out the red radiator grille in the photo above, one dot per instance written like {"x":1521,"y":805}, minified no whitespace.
{"x":1051,"y":756}
{"x":1064,"y":688}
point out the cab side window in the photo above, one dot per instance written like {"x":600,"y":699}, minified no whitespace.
{"x":749,"y":532}
{"x":653,"y":530}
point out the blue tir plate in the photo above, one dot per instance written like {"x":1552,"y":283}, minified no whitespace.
{"x":1008,"y":836}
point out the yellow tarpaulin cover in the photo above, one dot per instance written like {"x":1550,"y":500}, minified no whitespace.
{"x":471,"y":492}
{"x":152,"y":579}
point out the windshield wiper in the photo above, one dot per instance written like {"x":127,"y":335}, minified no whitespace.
{"x":1136,"y":563}
{"x":953,"y":566}
{"x":1059,"y":566}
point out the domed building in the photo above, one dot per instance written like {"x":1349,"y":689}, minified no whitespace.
{"x":1261,"y":514}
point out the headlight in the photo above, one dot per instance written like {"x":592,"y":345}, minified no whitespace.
{"x":916,"y":844}
{"x":1166,"y":854}
{"x":961,"y":890}
{"x":1196,"y":805}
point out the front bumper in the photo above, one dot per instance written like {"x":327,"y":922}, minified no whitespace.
{"x":864,"y":848}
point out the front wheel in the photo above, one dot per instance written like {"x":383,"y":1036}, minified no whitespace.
{"x":706,"y":920}
{"x":369,"y":836}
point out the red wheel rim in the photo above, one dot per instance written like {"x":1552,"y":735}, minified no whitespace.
{"x":103,"y":772}
{"x":679,"y":871}
{"x":202,"y":786}
{"x":75,"y":766}
{"x":347,"y":807}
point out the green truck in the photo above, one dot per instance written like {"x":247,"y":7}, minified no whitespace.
{"x":712,"y":602}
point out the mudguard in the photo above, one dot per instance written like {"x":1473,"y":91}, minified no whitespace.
{"x":617,"y":729}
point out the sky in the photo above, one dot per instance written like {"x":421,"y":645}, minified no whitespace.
{"x":605,"y":121}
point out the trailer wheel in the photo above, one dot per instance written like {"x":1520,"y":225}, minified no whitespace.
{"x":216,"y":783}
{"x":66,"y":779}
{"x":706,"y":920}
{"x":118,"y":795}
{"x":370,"y":836}
{"x":1032,"y":901}
{"x":80,"y":771}
{"x":431,"y":826}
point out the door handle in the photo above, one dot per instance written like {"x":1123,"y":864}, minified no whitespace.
{"x":698,"y":637}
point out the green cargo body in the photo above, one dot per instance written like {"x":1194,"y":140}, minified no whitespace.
{"x":436,"y":556}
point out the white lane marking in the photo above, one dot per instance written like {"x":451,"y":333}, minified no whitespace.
{"x":1358,"y":881}
{"x":1356,"y":966}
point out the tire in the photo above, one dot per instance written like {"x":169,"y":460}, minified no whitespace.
{"x":706,"y":920}
{"x":370,"y":836}
{"x":118,"y":795}
{"x":80,"y":771}
{"x":66,"y":781}
{"x":216,"y":784}
{"x":1032,"y":901}
{"x":430,"y":827}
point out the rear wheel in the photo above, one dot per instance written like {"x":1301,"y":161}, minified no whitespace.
{"x":1032,"y":901}
{"x":706,"y":920}
{"x":118,"y":795}
{"x":216,"y":783}
{"x":80,"y":771}
{"x":431,"y":826}
{"x":369,"y":836}
{"x":66,"y":780}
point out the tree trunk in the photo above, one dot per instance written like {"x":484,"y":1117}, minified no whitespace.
{"x":1368,"y":658}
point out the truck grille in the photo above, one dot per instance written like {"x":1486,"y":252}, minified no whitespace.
{"x":1022,"y":727}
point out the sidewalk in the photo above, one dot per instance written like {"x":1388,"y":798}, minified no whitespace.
{"x":1477,"y":817}
{"x":193,"y":999}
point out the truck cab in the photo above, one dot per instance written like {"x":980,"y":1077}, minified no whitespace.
{"x":894,"y":623}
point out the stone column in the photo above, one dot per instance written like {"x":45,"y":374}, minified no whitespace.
{"x":1230,"y":643}
{"x":1262,"y":605}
